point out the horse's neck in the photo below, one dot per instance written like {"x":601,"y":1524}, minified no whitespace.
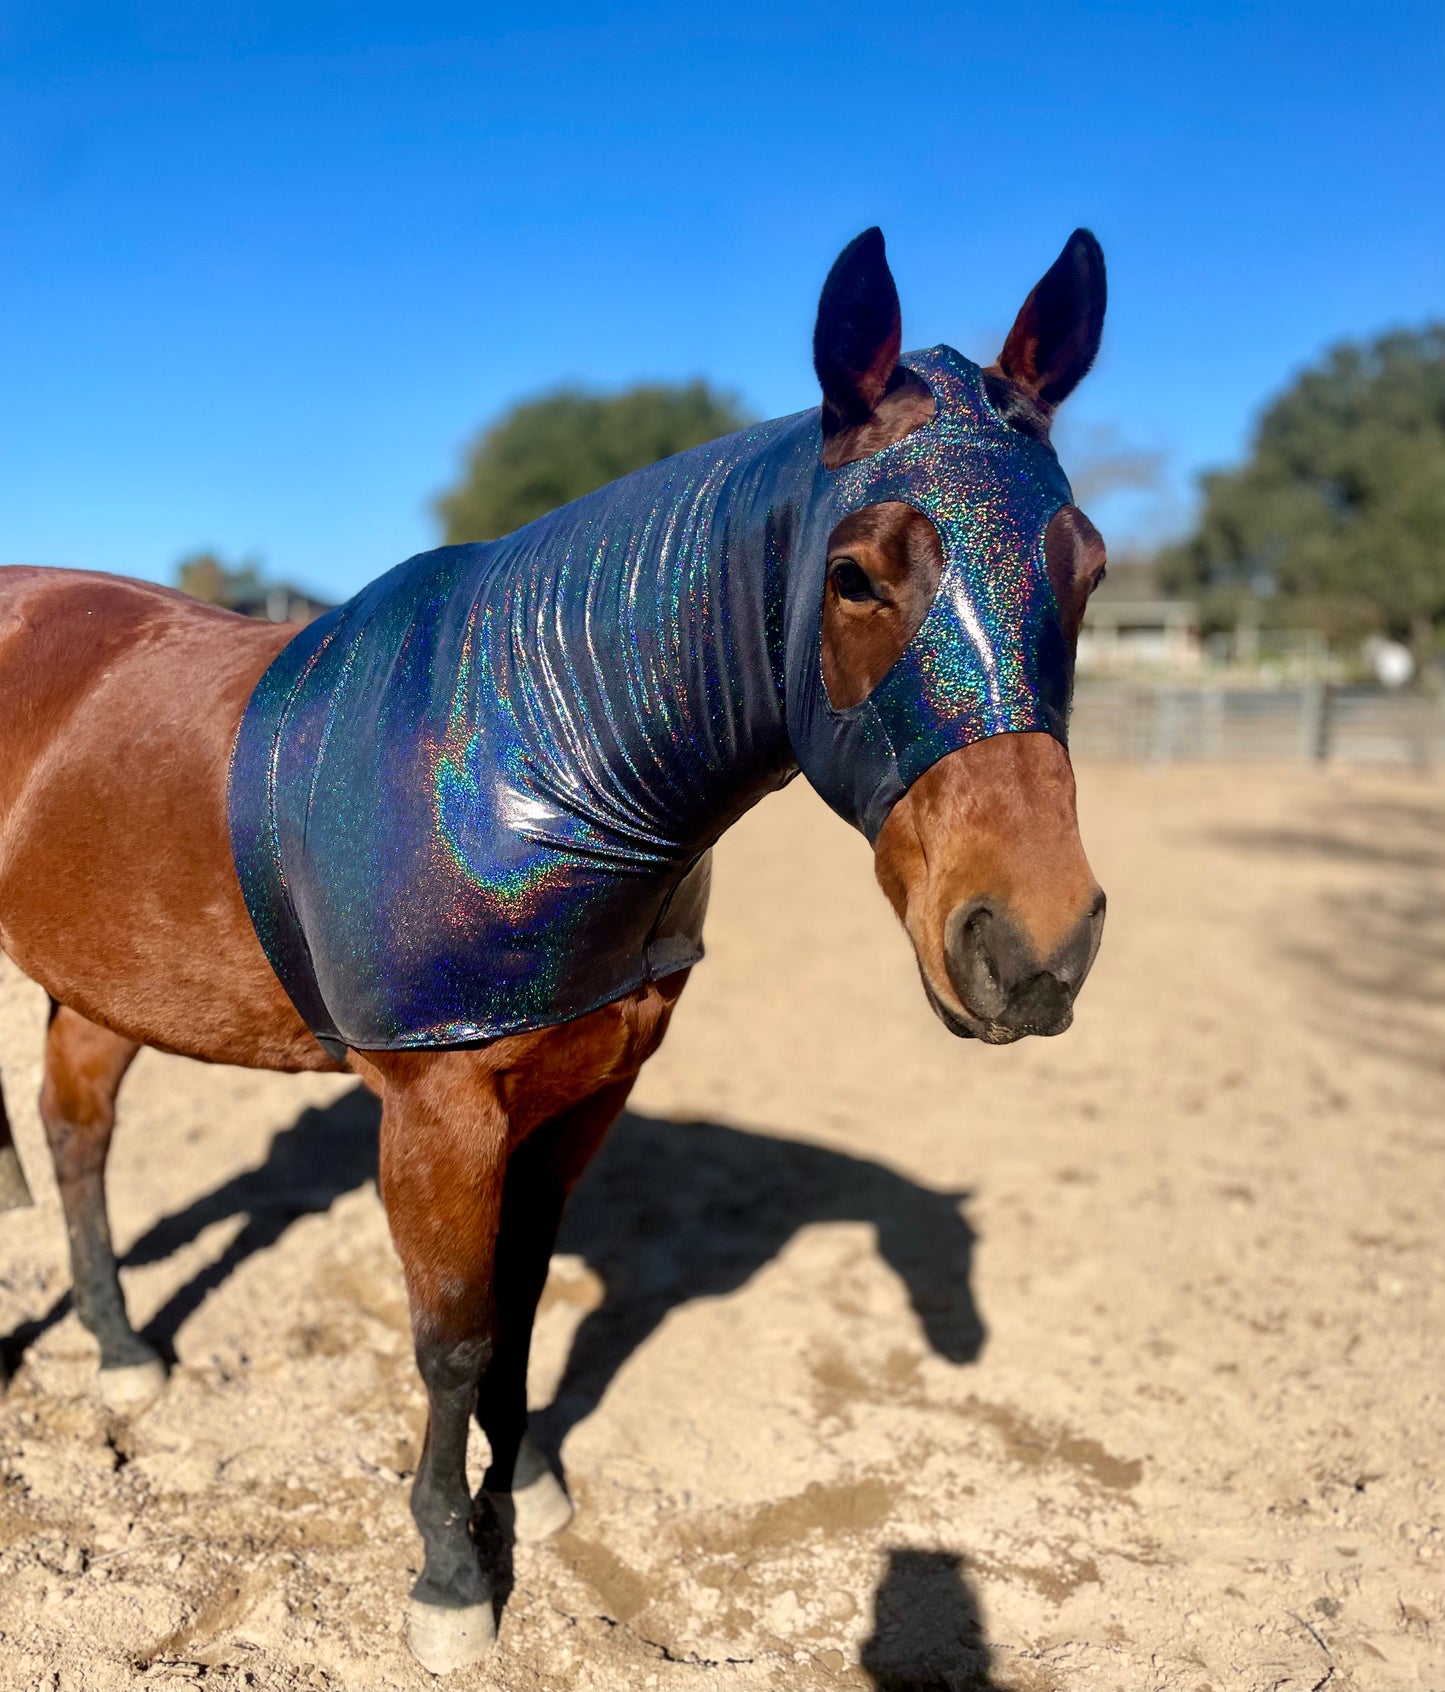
{"x":645,"y":624}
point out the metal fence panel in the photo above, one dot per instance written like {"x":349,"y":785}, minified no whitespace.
{"x":1306,"y":723}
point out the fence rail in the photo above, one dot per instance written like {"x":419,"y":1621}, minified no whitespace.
{"x":1311,"y":723}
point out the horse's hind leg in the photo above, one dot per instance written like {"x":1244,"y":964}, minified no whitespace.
{"x":84,"y":1067}
{"x":540,"y":1174}
{"x":14,"y":1188}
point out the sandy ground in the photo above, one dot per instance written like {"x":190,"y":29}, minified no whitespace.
{"x":1113,"y":1361}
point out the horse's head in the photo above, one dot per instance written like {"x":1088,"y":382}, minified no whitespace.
{"x":932,"y":701}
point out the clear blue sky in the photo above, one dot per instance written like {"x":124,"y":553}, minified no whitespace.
{"x":265,"y":267}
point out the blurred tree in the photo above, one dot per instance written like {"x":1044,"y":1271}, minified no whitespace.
{"x":204,"y":576}
{"x":560,"y":446}
{"x":244,"y":588}
{"x":1338,"y":516}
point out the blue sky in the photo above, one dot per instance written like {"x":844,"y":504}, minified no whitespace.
{"x":264,"y":268}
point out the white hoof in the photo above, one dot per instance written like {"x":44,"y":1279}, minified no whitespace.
{"x":442,"y":1640}
{"x":134,"y":1387}
{"x":539,"y":1509}
{"x":538,"y":1505}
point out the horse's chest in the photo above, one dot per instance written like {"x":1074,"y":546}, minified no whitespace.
{"x":548,"y":1071}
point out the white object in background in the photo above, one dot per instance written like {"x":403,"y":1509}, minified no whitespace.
{"x":1391,"y":660}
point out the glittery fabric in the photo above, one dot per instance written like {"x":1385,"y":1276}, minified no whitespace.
{"x":990,"y":657}
{"x":480,"y":796}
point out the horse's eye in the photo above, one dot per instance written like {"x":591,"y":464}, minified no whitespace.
{"x":852,"y":581}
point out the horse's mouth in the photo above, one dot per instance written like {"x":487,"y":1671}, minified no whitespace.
{"x":965,"y":1027}
{"x":968,"y":1027}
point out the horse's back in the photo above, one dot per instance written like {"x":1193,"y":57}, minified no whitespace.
{"x":89,"y":659}
{"x":119,"y":702}
{"x":68,"y":635}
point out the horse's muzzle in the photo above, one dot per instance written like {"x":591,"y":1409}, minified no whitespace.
{"x":1004,"y":987}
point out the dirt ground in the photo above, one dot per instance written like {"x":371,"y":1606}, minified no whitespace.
{"x":1113,"y":1361}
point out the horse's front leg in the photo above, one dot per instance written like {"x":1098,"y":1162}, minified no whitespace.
{"x":444,"y":1140}
{"x":540,"y":1175}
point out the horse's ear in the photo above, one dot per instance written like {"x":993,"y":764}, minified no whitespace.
{"x":858,"y":335}
{"x":1056,"y":335}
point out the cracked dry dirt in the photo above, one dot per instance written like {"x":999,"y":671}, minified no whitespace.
{"x":1113,"y":1361}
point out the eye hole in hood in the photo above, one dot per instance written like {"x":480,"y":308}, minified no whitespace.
{"x":884,"y":566}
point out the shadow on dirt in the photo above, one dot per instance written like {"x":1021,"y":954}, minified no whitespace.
{"x":1378,"y":952}
{"x":1385,"y":835}
{"x":927,"y":1630}
{"x":326,"y":1152}
{"x":669,"y":1212}
{"x":323,"y":1154}
{"x":673,"y":1211}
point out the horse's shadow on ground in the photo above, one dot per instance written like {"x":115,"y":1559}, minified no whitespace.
{"x":669,"y":1212}
{"x":675,"y":1211}
{"x":324,"y":1153}
{"x":928,"y":1632}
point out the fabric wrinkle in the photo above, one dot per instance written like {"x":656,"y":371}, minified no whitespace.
{"x":467,"y":802}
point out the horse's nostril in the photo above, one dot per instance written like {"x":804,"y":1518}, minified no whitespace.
{"x":1001,"y":980}
{"x":973,"y":954}
{"x":1076,"y":958}
{"x":977,"y":931}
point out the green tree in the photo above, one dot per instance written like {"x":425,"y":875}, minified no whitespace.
{"x":560,"y":446}
{"x":1338,"y":516}
{"x":205,"y":576}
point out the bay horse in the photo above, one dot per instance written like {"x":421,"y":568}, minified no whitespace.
{"x":906,"y":636}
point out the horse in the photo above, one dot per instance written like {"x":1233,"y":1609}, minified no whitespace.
{"x":898,"y":576}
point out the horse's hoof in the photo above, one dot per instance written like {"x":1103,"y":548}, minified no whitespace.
{"x":535,"y":1511}
{"x":130,"y":1389}
{"x":443,"y":1639}
{"x":14,"y":1188}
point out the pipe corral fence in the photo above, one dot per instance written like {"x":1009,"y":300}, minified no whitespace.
{"x":1313,"y":722}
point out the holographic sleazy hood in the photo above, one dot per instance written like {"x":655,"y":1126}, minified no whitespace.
{"x":990,"y":657}
{"x":480,"y":796}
